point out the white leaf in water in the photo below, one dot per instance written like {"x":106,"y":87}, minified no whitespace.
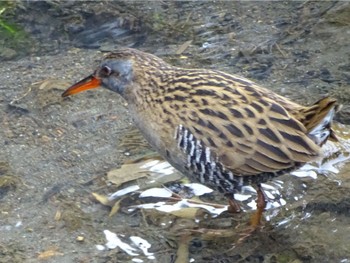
{"x":302,"y":173}
{"x":307,"y":167}
{"x":199,"y":189}
{"x":169,"y":208}
{"x":113,"y":241}
{"x":309,"y":170}
{"x":159,"y":167}
{"x":282,"y":201}
{"x":100,"y":247}
{"x":329,"y":165}
{"x":269,"y":195}
{"x":124,"y":191}
{"x":242,"y":197}
{"x":212,"y":210}
{"x":142,"y":244}
{"x":277,"y":182}
{"x":156,"y":192}
{"x":147,"y":206}
{"x":161,"y":206}
{"x":268,"y":187}
{"x":149,"y":164}
{"x":248,"y":188}
{"x":276,"y":204}
{"x":252,"y":204}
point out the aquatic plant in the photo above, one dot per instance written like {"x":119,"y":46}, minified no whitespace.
{"x":13,"y":38}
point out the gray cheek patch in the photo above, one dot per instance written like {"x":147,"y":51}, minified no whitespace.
{"x":123,"y":67}
{"x":121,"y":75}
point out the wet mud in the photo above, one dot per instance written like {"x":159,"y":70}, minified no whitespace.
{"x":56,"y":152}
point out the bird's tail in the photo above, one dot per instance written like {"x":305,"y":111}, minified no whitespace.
{"x":318,"y":120}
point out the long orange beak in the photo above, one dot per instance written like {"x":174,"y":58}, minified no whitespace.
{"x":89,"y":82}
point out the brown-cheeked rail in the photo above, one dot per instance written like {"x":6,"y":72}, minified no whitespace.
{"x":222,"y":130}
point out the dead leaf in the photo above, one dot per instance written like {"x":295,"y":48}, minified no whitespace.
{"x":101,"y":198}
{"x":158,"y":172}
{"x":183,"y":47}
{"x":115,"y":208}
{"x":51,"y":252}
{"x":80,"y":238}
{"x":182,"y":254}
{"x":127,"y":173}
{"x":188,"y":212}
{"x":58,"y":215}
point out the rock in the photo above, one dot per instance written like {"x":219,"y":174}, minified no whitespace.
{"x":7,"y":53}
{"x":339,"y":14}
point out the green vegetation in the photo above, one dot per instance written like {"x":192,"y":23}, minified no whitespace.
{"x":13,"y":38}
{"x":6,"y":11}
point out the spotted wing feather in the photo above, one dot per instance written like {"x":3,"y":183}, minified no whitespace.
{"x":247,"y":132}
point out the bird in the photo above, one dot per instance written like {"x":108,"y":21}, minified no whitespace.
{"x":219,"y":129}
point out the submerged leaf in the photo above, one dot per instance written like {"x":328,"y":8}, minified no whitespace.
{"x":101,"y":198}
{"x":49,"y":253}
{"x":156,"y":192}
{"x":187,"y":212}
{"x":115,"y":208}
{"x":152,"y":173}
{"x":182,"y":254}
{"x":127,"y":173}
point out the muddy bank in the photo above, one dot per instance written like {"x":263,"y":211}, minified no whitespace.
{"x":56,"y":152}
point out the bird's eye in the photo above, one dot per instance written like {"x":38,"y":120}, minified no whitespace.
{"x":105,"y":71}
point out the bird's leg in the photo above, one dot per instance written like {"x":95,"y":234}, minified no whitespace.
{"x":255,"y":220}
{"x":233,"y":206}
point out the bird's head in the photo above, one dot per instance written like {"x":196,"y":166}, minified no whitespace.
{"x":126,"y":71}
{"x":114,"y":74}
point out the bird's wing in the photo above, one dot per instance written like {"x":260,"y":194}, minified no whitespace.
{"x":245,"y":130}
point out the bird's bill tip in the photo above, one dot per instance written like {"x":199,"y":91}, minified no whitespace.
{"x":89,"y":82}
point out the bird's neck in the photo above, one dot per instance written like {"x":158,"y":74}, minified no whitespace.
{"x":147,"y":106}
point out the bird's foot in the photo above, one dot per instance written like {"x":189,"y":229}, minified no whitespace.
{"x":233,"y":206}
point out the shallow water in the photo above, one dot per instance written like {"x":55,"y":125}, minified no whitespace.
{"x":56,"y":153}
